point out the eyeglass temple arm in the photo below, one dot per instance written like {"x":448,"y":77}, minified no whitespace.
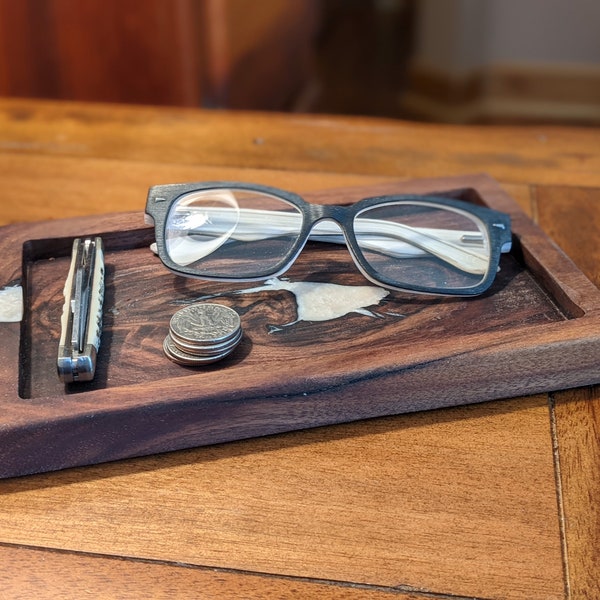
{"x":256,"y":224}
{"x":402,"y":241}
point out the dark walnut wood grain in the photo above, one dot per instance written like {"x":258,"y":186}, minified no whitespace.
{"x":536,"y":330}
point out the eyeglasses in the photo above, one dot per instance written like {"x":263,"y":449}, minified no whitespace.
{"x":230,"y":231}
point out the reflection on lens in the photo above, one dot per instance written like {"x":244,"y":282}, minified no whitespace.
{"x":417,"y":244}
{"x":231,"y":233}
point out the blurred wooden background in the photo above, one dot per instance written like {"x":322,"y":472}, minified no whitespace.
{"x":456,"y":61}
{"x":177,"y":52}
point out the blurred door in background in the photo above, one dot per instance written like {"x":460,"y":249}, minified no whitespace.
{"x":517,"y":61}
{"x":212,"y":53}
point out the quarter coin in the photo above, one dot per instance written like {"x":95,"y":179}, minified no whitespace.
{"x":172,"y":351}
{"x":208,"y":349}
{"x":202,"y":333}
{"x":204,"y":324}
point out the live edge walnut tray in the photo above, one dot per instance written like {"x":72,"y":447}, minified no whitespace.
{"x":537,"y":329}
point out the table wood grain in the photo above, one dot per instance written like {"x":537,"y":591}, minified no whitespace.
{"x":486,"y":501}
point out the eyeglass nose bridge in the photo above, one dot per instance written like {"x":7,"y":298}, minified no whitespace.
{"x":321,"y":212}
{"x":341,"y":232}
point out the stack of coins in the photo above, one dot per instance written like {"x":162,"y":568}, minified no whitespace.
{"x":202,"y":333}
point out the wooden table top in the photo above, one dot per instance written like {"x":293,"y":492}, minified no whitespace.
{"x":495,"y":500}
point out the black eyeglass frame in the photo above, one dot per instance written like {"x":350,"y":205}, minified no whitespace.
{"x":497,"y":225}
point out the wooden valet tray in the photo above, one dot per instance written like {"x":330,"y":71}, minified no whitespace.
{"x":536,"y":330}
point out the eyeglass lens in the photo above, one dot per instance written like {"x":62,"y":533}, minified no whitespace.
{"x":231,"y":233}
{"x":420,"y":244}
{"x":236,"y":234}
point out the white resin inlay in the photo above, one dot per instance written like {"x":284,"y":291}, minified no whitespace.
{"x":11,"y":304}
{"x":325,"y":301}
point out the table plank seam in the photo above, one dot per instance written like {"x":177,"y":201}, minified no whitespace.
{"x":559,"y":493}
{"x":398,"y":589}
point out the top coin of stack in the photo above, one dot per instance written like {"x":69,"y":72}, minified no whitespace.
{"x":202,"y":333}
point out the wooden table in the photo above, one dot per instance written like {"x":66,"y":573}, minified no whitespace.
{"x":494,"y":500}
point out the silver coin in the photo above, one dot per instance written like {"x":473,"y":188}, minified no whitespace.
{"x":186,"y":342}
{"x":209,"y":349}
{"x":204,"y":324}
{"x":183,"y":358}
